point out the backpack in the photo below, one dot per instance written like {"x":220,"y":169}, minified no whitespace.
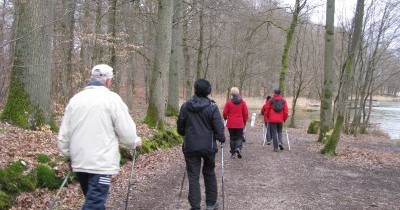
{"x":277,"y":105}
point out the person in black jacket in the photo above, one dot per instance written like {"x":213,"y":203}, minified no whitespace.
{"x":201,"y":124}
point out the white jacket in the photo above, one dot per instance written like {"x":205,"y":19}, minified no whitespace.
{"x":94,"y":120}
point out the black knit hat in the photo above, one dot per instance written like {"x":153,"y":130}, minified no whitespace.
{"x":202,"y":88}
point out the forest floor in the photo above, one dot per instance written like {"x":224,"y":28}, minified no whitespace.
{"x":363,"y":175}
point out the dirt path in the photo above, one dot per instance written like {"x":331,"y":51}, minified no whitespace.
{"x":296,"y":179}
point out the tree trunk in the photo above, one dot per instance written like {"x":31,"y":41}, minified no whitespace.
{"x":326,"y":100}
{"x":112,"y":32}
{"x":199,"y":67}
{"x":186,"y":55}
{"x":330,"y":146}
{"x":156,"y":108}
{"x":68,"y":48}
{"x":28,"y":103}
{"x":98,"y":49}
{"x":176,"y":61}
{"x":289,"y":38}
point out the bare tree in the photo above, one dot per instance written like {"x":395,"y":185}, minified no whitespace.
{"x":330,"y":146}
{"x":289,"y":37}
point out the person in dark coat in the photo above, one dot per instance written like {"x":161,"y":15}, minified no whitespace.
{"x":266,"y":121}
{"x":277,"y":113}
{"x":200,"y":123}
{"x":236,"y":114}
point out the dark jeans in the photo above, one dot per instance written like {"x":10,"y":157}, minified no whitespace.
{"x":236,"y":139}
{"x":193,"y":166}
{"x":269,"y":132}
{"x":95,"y":188}
{"x":276,"y":132}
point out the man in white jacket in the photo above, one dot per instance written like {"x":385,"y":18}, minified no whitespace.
{"x":94,"y":122}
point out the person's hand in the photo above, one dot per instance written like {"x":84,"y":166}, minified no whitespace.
{"x":222,"y":140}
{"x":138,"y":143}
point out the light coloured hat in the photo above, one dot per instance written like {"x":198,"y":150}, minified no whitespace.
{"x":103,"y":71}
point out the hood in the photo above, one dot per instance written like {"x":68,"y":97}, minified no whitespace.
{"x":197,"y":104}
{"x":236,"y":99}
{"x":277,"y":97}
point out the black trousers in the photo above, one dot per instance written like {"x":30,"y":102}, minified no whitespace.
{"x":269,"y":132}
{"x":193,"y":166}
{"x":276,"y":132}
{"x":236,"y":139}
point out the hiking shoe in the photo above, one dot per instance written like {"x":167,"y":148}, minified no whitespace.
{"x":233,"y":156}
{"x":281,"y":147}
{"x":213,"y":207}
{"x":275,"y":150}
{"x":268,"y":143}
{"x":239,"y":154}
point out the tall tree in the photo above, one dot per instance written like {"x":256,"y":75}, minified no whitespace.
{"x":330,"y":146}
{"x":156,"y":108}
{"x":199,"y":66}
{"x":68,"y":26}
{"x":289,"y":38}
{"x":28,"y":104}
{"x":186,"y":55}
{"x":98,"y":49}
{"x":326,"y":99}
{"x":112,"y":33}
{"x":176,"y":61}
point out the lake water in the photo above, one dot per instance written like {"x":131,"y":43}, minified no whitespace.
{"x":387,"y":115}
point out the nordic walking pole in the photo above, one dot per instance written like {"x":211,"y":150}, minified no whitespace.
{"x":51,"y":206}
{"x":222,"y":172}
{"x":180,"y":191}
{"x":264,"y":133}
{"x":130,"y":178}
{"x":287,"y":137}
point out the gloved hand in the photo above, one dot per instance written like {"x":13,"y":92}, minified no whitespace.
{"x":222,"y":140}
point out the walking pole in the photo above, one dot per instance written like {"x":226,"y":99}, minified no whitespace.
{"x":287,"y":137}
{"x":222,"y":172}
{"x":264,"y":131}
{"x":51,"y":206}
{"x":180,"y":191}
{"x":130,"y":178}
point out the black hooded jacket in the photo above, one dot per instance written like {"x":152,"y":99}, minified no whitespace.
{"x":200,"y":123}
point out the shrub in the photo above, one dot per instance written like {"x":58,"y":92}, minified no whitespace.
{"x":42,"y":158}
{"x":313,"y":128}
{"x":148,"y":146}
{"x":5,"y":200}
{"x":46,"y":177}
{"x":12,"y":181}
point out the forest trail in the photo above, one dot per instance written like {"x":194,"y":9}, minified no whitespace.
{"x":263,"y":179}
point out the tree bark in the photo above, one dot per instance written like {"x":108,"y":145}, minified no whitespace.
{"x":327,"y":89}
{"x":176,"y":61}
{"x":28,"y":102}
{"x":156,"y":109}
{"x":186,"y":55}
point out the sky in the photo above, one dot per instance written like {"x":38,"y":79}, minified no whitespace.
{"x":344,"y":10}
